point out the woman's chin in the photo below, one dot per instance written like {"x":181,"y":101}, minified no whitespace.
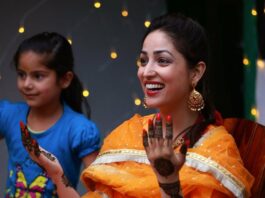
{"x":152,"y":105}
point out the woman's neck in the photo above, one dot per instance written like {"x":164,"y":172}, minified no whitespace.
{"x":181,"y":119}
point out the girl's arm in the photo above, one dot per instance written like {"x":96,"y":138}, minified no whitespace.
{"x":87,"y":160}
{"x":49,"y":163}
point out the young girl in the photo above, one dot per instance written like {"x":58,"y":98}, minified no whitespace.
{"x":53,"y":113}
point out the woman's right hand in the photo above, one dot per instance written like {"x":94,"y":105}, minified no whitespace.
{"x":164,"y":161}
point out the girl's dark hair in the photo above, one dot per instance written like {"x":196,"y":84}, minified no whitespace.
{"x":190,"y":39}
{"x":58,"y":57}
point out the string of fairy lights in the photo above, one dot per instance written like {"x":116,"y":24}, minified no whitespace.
{"x":259,"y":63}
{"x":97,"y":4}
{"x":113,"y":54}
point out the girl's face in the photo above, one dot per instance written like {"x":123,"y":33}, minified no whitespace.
{"x":163,"y":72}
{"x":37,"y":83}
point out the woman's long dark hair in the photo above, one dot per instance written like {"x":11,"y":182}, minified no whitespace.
{"x":58,"y":57}
{"x":190,"y":40}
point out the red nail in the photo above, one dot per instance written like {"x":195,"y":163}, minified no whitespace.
{"x":22,"y":126}
{"x":158,"y":117}
{"x":33,"y":142}
{"x":24,"y":129}
{"x":169,"y":120}
{"x":26,"y":132}
{"x":150,"y":122}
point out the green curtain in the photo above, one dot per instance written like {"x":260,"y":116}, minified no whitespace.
{"x":251,"y":53}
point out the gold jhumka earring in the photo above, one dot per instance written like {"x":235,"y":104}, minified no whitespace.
{"x":195,"y":102}
{"x":144,"y":103}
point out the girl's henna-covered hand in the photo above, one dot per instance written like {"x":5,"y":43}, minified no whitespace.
{"x":44,"y":159}
{"x":158,"y":145}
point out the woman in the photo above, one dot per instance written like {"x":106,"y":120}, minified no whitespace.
{"x":186,"y":152}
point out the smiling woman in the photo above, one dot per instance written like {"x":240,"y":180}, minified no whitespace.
{"x":163,"y":73}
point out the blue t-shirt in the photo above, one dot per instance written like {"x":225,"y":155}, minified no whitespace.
{"x":70,"y":139}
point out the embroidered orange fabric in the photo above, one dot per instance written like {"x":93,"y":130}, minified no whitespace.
{"x":215,"y":150}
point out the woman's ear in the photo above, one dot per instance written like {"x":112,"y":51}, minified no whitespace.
{"x":66,"y":80}
{"x":197,"y":72}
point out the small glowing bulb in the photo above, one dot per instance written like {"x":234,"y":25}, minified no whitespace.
{"x":124,"y":13}
{"x":21,"y":29}
{"x":97,"y":4}
{"x":113,"y":55}
{"x":147,"y":23}
{"x":70,"y":41}
{"x":254,"y":12}
{"x":138,"y":62}
{"x":260,"y":63}
{"x":85,"y":93}
{"x":245,"y":61}
{"x":137,"y":102}
{"x":254,"y":111}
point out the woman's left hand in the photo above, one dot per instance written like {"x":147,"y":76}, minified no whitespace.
{"x":159,"y":149}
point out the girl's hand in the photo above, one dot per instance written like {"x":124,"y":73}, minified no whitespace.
{"x":44,"y":159}
{"x":159,"y":149}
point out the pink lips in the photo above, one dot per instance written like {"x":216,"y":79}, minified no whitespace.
{"x":151,"y":92}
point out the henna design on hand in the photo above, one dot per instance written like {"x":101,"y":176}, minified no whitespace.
{"x":151,"y":132}
{"x":29,"y":143}
{"x":145,"y":138}
{"x":172,"y":189}
{"x":65,"y":181}
{"x":25,"y":135}
{"x":48,"y":155}
{"x":164,"y":166}
{"x":158,"y":127}
{"x":36,"y":148}
{"x":169,"y":128}
{"x":183,"y":149}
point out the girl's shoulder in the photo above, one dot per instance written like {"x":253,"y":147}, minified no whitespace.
{"x":12,"y":106}
{"x":76,"y":120}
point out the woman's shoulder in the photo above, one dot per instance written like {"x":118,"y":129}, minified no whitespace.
{"x":128,"y":134}
{"x":216,"y":153}
{"x":134,"y":122}
{"x":214,"y":134}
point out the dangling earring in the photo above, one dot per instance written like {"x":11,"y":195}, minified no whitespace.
{"x":195,"y":102}
{"x":144,"y":103}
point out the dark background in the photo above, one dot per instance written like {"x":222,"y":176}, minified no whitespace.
{"x":113,"y":84}
{"x":222,"y":20}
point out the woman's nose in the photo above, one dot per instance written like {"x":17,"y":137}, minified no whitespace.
{"x":149,"y":71}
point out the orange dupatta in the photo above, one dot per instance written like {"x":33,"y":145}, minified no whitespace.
{"x":213,"y":167}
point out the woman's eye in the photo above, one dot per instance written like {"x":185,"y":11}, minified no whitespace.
{"x":163,"y":61}
{"x":141,"y":62}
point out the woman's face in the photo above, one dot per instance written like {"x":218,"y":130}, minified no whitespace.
{"x":163,"y":72}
